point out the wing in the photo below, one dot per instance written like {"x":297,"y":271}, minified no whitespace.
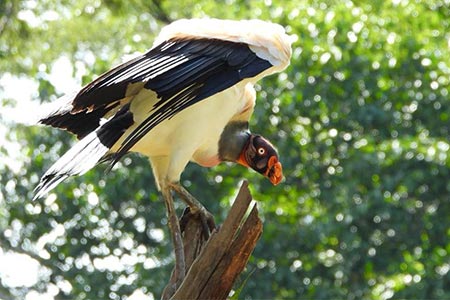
{"x":203,"y":68}
{"x":181,"y":72}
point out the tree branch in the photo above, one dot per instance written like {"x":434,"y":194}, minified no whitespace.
{"x":212,"y":266}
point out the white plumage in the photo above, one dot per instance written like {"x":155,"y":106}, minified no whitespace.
{"x":267,"y":40}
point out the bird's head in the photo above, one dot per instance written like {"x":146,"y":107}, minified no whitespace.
{"x":260,"y":155}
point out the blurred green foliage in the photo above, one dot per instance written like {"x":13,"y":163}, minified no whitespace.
{"x":360,"y":118}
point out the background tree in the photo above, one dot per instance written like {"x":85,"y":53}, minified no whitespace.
{"x":361,"y":120}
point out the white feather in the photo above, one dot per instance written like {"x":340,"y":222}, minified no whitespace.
{"x":78,"y":160}
{"x":269,"y":41}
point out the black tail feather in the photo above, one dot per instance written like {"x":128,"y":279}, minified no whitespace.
{"x":77,"y":161}
{"x":86,"y":153}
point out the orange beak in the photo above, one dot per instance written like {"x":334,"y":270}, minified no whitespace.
{"x":274,"y":170}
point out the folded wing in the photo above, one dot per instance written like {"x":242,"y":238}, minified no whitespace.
{"x":181,"y":72}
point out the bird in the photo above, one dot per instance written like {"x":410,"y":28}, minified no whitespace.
{"x":189,"y":98}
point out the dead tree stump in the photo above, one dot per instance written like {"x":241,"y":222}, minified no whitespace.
{"x":212,"y":266}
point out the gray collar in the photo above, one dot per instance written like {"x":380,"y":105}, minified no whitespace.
{"x":232,"y":140}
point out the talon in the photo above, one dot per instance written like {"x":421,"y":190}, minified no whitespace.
{"x":211,"y":224}
{"x":196,"y":208}
{"x":208,"y":223}
{"x":184,"y":218}
{"x":205,"y":217}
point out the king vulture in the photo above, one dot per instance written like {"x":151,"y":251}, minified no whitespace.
{"x":188,"y":98}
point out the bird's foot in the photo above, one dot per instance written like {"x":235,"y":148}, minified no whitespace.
{"x":205,"y":217}
{"x":196,"y":209}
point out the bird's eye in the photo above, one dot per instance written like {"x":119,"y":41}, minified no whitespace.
{"x":261,"y":151}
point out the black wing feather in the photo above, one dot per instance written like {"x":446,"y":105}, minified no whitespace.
{"x":181,"y":72}
{"x":204,"y":81}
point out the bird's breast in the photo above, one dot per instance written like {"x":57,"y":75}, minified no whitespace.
{"x":196,"y":130}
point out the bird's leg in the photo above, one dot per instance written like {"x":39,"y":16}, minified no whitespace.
{"x":196,"y":208}
{"x":175,"y":231}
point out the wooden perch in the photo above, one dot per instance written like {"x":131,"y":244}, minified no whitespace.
{"x":212,"y":266}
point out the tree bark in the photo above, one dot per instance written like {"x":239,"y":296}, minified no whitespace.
{"x":213,"y":265}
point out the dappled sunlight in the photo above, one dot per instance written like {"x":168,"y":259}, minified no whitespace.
{"x":360,"y":120}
